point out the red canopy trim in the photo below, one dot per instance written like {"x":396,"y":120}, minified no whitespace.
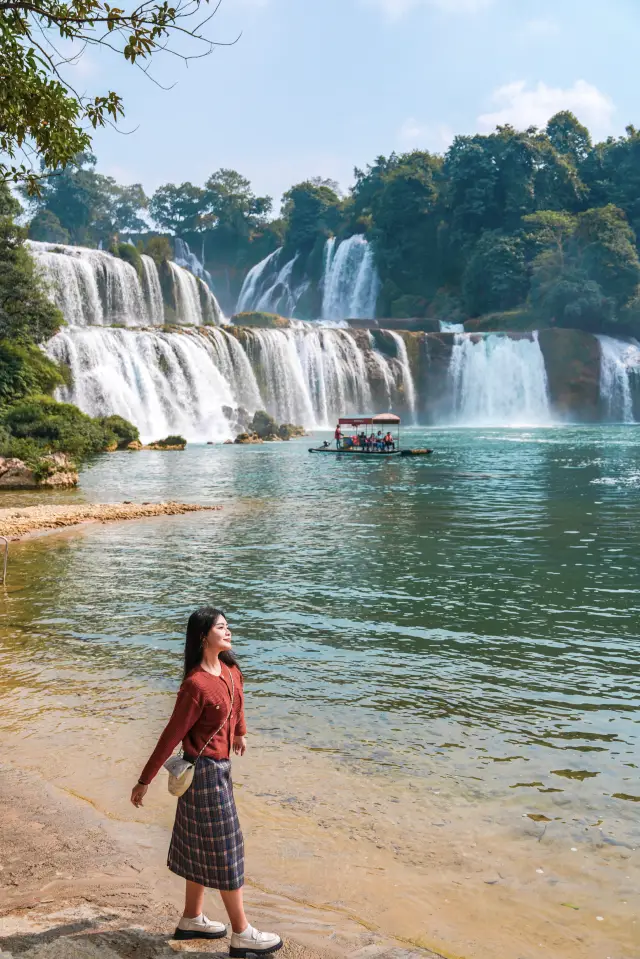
{"x":379,"y":419}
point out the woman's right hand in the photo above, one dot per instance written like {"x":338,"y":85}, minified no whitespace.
{"x":137,"y":794}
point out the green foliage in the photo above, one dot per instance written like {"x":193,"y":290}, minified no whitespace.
{"x":24,"y":370}
{"x":47,"y":228}
{"x":54,"y":426}
{"x":128,"y":253}
{"x":124,"y":431}
{"x":179,"y":209}
{"x":173,"y":440}
{"x":496,"y":277}
{"x":87,"y":206}
{"x":263,"y":424}
{"x":159,"y":249}
{"x":311,"y":209}
{"x":25,"y":313}
{"x":40,"y":111}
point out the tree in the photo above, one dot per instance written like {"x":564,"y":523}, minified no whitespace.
{"x":47,"y":228}
{"x":311,"y":210}
{"x":26,"y":315}
{"x":41,"y":114}
{"x":496,"y":277}
{"x":569,"y":137}
{"x":180,"y":209}
{"x":88,"y":206}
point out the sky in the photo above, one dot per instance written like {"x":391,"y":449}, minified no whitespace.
{"x":316,"y":87}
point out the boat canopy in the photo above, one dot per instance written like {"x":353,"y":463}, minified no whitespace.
{"x":380,"y":418}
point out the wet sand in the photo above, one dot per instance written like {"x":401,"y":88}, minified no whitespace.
{"x":338,"y":860}
{"x":18,"y":522}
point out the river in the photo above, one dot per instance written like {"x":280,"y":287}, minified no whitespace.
{"x":467,"y":623}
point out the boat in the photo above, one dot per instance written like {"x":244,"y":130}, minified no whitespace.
{"x":370,"y":423}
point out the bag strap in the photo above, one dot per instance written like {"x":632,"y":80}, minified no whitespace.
{"x":219,"y":730}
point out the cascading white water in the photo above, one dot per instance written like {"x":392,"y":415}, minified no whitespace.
{"x":179,"y":381}
{"x":350,"y":283}
{"x":184,"y":257}
{"x":249,"y":294}
{"x":619,"y":361}
{"x":447,"y":327}
{"x":408,"y":385}
{"x":311,"y":375}
{"x":499,"y":381}
{"x":281,"y":296}
{"x":95,"y":288}
{"x":152,"y":290}
{"x":163,"y":382}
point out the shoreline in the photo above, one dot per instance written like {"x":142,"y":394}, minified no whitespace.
{"x":338,"y":861}
{"x":22,"y":522}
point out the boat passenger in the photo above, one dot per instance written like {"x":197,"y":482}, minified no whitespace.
{"x":379,"y":441}
{"x":388,"y":441}
{"x":338,"y":437}
{"x":362,"y":440}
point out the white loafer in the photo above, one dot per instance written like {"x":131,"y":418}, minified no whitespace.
{"x":200,"y":928}
{"x":262,"y":943}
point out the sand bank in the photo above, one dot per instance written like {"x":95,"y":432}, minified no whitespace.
{"x":21,"y":521}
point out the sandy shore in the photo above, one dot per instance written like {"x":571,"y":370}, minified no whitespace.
{"x":74,"y":885}
{"x":22,"y":521}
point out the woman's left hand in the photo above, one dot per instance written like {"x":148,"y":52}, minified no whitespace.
{"x":239,"y":745}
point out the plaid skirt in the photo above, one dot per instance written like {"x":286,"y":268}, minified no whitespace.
{"x":206,"y":844}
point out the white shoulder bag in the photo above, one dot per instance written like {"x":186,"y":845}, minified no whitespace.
{"x":181,"y":771}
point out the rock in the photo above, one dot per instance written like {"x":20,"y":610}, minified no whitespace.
{"x":228,"y":443}
{"x":247,"y":438}
{"x":55,"y":471}
{"x":264,"y":321}
{"x":134,"y":445}
{"x":288,"y":430}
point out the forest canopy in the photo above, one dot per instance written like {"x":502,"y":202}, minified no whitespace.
{"x":540,"y":221}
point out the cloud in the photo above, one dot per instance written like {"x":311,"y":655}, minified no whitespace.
{"x":412,"y":134}
{"x":396,"y":9}
{"x":522,"y":108}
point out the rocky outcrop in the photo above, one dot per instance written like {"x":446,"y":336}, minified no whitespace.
{"x":53,"y":471}
{"x":572,"y":361}
{"x":245,"y":439}
{"x":263,"y":321}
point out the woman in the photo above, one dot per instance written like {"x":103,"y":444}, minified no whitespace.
{"x":206,"y":847}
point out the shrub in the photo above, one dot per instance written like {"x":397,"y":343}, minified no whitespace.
{"x":263,"y":424}
{"x":171,"y":441}
{"x":128,"y":253}
{"x":124,"y":431}
{"x":159,"y":249}
{"x":25,"y":370}
{"x":56,"y":426}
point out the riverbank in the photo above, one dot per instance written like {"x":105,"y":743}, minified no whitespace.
{"x":17,"y":522}
{"x":76,"y":884}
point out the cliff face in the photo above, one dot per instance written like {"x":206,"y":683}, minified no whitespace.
{"x":572,"y":361}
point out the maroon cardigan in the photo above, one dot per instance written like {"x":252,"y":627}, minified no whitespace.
{"x":202,"y":705}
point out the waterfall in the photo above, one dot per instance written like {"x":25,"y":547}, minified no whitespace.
{"x":253,"y":282}
{"x":163,"y":382}
{"x":282,"y":296}
{"x":350,"y":283}
{"x":619,"y":360}
{"x":168,"y":382}
{"x":95,"y":288}
{"x":499,"y":381}
{"x":269,"y":288}
{"x":447,"y":327}
{"x":311,"y":375}
{"x":408,"y":386}
{"x":184,"y":257}
{"x":152,"y":290}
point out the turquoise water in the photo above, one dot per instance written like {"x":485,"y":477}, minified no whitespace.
{"x":473,"y":618}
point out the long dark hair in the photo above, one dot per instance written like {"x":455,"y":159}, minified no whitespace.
{"x":198,"y":627}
